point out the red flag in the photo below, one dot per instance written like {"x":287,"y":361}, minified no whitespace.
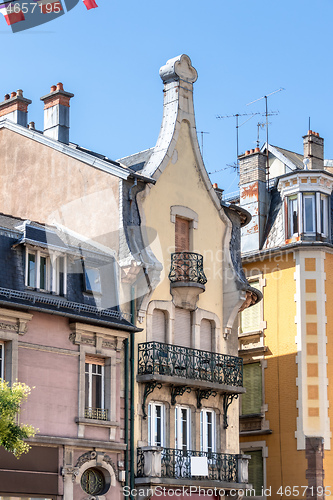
{"x":12,"y":13}
{"x":47,"y":6}
{"x":90,"y":4}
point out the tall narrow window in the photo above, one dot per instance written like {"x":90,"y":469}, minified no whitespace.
{"x":183,"y":428}
{"x":182,"y":235}
{"x":38,"y":270}
{"x":31,"y":271}
{"x":60,"y":275}
{"x":309,"y":213}
{"x":159,"y":324}
{"x":324,"y":214}
{"x":182,"y":327}
{"x":94,"y":389}
{"x":251,"y":400}
{"x":292,"y":216}
{"x":207,"y":431}
{"x":92,"y":279}
{"x":206,"y":335}
{"x":251,"y":318}
{"x":43,"y":273}
{"x":256,"y":472}
{"x":2,"y":360}
{"x":156,"y":424}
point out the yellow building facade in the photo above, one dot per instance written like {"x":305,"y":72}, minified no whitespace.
{"x":285,"y":340}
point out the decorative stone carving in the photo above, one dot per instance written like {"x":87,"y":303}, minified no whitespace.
{"x":179,"y":68}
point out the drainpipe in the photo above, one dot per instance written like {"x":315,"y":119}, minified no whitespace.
{"x":126,"y":410}
{"x":132,"y":456}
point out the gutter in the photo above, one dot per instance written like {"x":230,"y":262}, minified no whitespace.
{"x":253,"y":257}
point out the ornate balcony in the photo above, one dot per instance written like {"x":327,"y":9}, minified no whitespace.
{"x":187,"y":278}
{"x":187,"y":365}
{"x":96,"y":413}
{"x":169,"y":463}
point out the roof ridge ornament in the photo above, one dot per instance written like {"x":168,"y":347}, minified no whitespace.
{"x":178,"y":68}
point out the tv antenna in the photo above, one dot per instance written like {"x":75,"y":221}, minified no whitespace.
{"x":202,"y":141}
{"x":267,"y":115}
{"x":237,"y":115}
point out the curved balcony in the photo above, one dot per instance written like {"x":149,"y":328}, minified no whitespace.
{"x":168,"y":362}
{"x":187,"y":278}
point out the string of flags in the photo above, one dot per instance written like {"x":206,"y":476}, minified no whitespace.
{"x":13,"y":13}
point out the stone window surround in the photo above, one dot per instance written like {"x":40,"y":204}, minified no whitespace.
{"x":111,"y":361}
{"x":197,"y":316}
{"x":12,"y":325}
{"x":246,"y":448}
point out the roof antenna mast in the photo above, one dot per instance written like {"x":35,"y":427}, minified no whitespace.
{"x":266,"y":114}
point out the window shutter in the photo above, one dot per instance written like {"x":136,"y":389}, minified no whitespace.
{"x":182,"y":327}
{"x":251,"y":400}
{"x":182,"y":235}
{"x":158,"y":326}
{"x":206,"y":335}
{"x":256,"y":475}
{"x":251,"y":317}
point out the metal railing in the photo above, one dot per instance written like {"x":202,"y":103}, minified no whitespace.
{"x":156,"y":358}
{"x":52,"y":301}
{"x":96,"y":413}
{"x":187,"y":267}
{"x":176,"y":464}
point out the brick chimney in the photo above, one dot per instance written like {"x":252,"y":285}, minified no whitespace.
{"x":253,"y":197}
{"x":314,"y":150}
{"x":56,"y":113}
{"x":15,"y":108}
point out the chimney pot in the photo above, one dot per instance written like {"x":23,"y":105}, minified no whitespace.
{"x":19,"y":92}
{"x":13,"y":94}
{"x":257,"y":150}
{"x":60,"y":86}
{"x":7,"y":96}
{"x":32,"y":125}
{"x":215,"y":186}
{"x":310,"y":132}
{"x":53,"y":88}
{"x":247,"y":152}
{"x":252,"y":151}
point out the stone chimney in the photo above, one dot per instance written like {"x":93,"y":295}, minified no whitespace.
{"x":314,"y":150}
{"x":15,"y":108}
{"x":56,"y":113}
{"x":253,"y":197}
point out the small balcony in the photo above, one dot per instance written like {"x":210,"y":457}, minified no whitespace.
{"x":168,"y":463}
{"x":187,"y":279}
{"x":96,"y":413}
{"x":174,"y":364}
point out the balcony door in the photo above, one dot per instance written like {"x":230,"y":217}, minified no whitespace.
{"x":182,"y":235}
{"x":183,"y":428}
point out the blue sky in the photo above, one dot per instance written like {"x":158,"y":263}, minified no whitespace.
{"x":109,"y":58}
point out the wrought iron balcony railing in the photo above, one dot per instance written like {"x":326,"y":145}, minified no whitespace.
{"x":156,"y":358}
{"x":96,"y":413}
{"x":176,"y":464}
{"x":187,"y":267}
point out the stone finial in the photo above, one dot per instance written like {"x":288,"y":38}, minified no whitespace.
{"x":179,"y":68}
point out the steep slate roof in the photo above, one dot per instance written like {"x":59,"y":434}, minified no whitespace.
{"x":137,"y":161}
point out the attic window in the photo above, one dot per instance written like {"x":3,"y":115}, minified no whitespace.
{"x":309,"y":213}
{"x":292,"y":216}
{"x":45,"y":271}
{"x":92,"y":279}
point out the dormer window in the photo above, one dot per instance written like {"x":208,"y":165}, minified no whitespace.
{"x":92,"y":279}
{"x":292,"y":216}
{"x":45,"y":271}
{"x":324,"y":204}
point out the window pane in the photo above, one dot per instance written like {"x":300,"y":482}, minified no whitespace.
{"x":61,"y":269}
{"x":251,"y":400}
{"x":86,"y":399}
{"x":309,"y":214}
{"x":184,"y":425}
{"x":292,"y":216}
{"x":93,"y":280}
{"x":43,"y":273}
{"x":96,"y":391}
{"x":158,"y":426}
{"x":209,"y":416}
{"x":324,"y":215}
{"x":32,"y":270}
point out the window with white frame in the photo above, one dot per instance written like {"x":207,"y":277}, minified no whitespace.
{"x":309,"y":213}
{"x":182,"y":428}
{"x":92,"y":279}
{"x":156,"y":424}
{"x":292,"y":216}
{"x":2,"y":360}
{"x":95,"y":388}
{"x":45,"y":271}
{"x":324,"y":215}
{"x":207,"y":430}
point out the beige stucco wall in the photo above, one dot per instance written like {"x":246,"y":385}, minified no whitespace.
{"x":42,"y":184}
